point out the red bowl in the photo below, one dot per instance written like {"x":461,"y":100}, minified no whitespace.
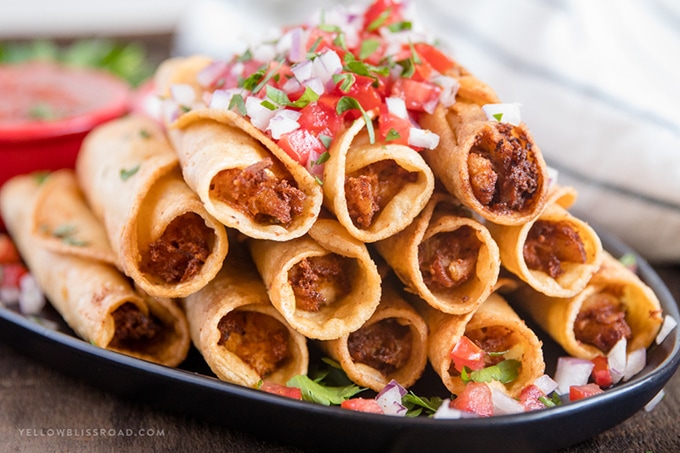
{"x":46,"y":111}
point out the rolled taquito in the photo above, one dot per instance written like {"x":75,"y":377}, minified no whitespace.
{"x":325,"y":284}
{"x":445,"y":256}
{"x":615,"y":304}
{"x":493,"y":167}
{"x":95,"y":299}
{"x":242,"y":337}
{"x":556,"y":253}
{"x":243,"y":177}
{"x":164,"y":238}
{"x":374,"y":189}
{"x":497,"y":329}
{"x":391,"y":345}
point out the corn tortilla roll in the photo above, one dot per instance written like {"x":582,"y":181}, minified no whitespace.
{"x":374,"y":190}
{"x":445,"y":256}
{"x":392,"y":344}
{"x":240,"y":334}
{"x":495,"y":168}
{"x":164,"y":238}
{"x":64,"y":223}
{"x":325,"y":283}
{"x":556,"y":253}
{"x":494,"y":327}
{"x":615,"y":304}
{"x":95,"y":299}
{"x":244,"y":179}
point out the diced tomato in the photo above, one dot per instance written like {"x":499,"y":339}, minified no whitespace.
{"x":529,"y":397}
{"x":475,"y":398}
{"x":362,"y":405}
{"x":467,"y":354}
{"x":320,"y":118}
{"x":578,"y":392}
{"x":8,"y":252}
{"x":282,"y":390}
{"x":419,"y":95}
{"x":11,"y":274}
{"x":299,"y":143}
{"x":394,"y":128}
{"x":601,"y":374}
{"x":434,"y":57}
{"x":369,"y":96}
{"x":391,"y":9}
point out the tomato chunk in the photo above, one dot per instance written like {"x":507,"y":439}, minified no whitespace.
{"x":467,"y":354}
{"x":529,"y":397}
{"x":11,"y":274}
{"x":8,"y":252}
{"x":300,"y":143}
{"x":362,"y":405}
{"x":578,"y":392}
{"x":419,"y":96}
{"x":475,"y":398}
{"x":282,"y":390}
{"x":601,"y":373}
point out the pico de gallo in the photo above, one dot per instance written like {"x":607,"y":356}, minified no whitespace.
{"x":317,"y":77}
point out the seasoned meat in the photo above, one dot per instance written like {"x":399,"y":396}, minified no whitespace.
{"x":320,"y":280}
{"x":602,"y":322}
{"x":181,"y":251}
{"x":133,"y":328}
{"x":256,"y":338}
{"x":258,"y":192}
{"x":447,"y":260}
{"x":492,"y":339}
{"x":503,"y":173}
{"x":384,"y":345}
{"x":370,"y":189}
{"x":549,"y":244}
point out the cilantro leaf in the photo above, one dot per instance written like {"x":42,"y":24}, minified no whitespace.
{"x":368,"y":47}
{"x":416,"y":405}
{"x":318,"y":393}
{"x":349,"y":103}
{"x":504,"y":372}
{"x":307,"y":98}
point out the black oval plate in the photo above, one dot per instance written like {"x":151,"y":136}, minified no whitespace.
{"x":194,"y":391}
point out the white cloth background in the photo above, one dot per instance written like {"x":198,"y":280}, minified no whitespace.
{"x":597,"y":80}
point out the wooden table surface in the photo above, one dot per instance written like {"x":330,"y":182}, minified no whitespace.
{"x":36,"y":400}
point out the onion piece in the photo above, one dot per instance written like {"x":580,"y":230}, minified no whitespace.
{"x":449,"y":87}
{"x":316,"y":85}
{"x":258,"y":113}
{"x":283,"y":121}
{"x":10,"y":295}
{"x":31,"y":297}
{"x":313,"y":166}
{"x":326,"y":65}
{"x":546,"y":384}
{"x":503,"y":113}
{"x":553,"y":174}
{"x":635,"y":363}
{"x":182,"y":93}
{"x":389,"y":398}
{"x":617,"y":360}
{"x":397,"y":107}
{"x":572,"y":371}
{"x":422,"y":138}
{"x":503,"y":404}
{"x":303,"y":71}
{"x":209,"y":75}
{"x":654,"y":401}
{"x":669,"y":323}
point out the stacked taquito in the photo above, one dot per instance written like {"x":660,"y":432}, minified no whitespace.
{"x":161,"y":233}
{"x":244,"y":179}
{"x":66,"y":251}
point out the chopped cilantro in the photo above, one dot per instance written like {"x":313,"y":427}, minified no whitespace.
{"x":392,"y":134}
{"x":126,"y":173}
{"x":504,"y":372}
{"x":238,"y":103}
{"x":368,"y":47}
{"x":416,"y":405}
{"x":498,"y":116}
{"x":349,"y":103}
{"x":42,"y":111}
{"x":307,"y":98}
{"x":380,"y":20}
{"x":345,"y":79}
{"x":318,"y":393}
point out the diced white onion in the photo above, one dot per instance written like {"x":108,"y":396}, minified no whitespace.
{"x":10,"y":295}
{"x":31,"y":298}
{"x":397,"y":107}
{"x":284,"y":121}
{"x":553,"y":174}
{"x":264,"y":52}
{"x":617,"y":360}
{"x":503,"y":404}
{"x":326,"y":65}
{"x":449,"y":87}
{"x":572,"y":371}
{"x":303,"y":71}
{"x":503,"y":113}
{"x":422,"y":138}
{"x":389,"y":399}
{"x":291,"y":85}
{"x":258,"y":113}
{"x":654,"y":401}
{"x":221,"y":99}
{"x":316,"y":85}
{"x":546,"y":384}
{"x":312,"y":166}
{"x":636,"y":362}
{"x":669,"y":323}
{"x":183,"y":93}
